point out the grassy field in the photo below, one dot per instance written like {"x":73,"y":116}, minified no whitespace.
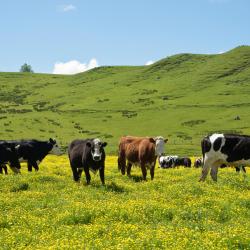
{"x":47,"y":210}
{"x":182,"y":97}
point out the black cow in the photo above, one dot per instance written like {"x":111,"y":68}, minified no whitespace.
{"x":183,"y":161}
{"x":8,"y":154}
{"x":219,"y":149}
{"x":34,"y":151}
{"x":87,"y":155}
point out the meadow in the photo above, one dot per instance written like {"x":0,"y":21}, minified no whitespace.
{"x":47,"y":210}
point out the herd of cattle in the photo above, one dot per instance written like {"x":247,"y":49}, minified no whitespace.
{"x":218,"y":150}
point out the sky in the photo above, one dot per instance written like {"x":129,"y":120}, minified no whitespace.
{"x":76,"y":35}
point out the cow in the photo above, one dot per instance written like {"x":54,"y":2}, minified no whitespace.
{"x":87,"y":155}
{"x":8,"y":154}
{"x":167,"y":161}
{"x":174,"y":161}
{"x":34,"y":151}
{"x":218,"y":149}
{"x":198,"y":162}
{"x":183,"y":161}
{"x":141,"y":151}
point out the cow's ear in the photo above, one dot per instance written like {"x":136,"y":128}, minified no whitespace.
{"x":88,"y":144}
{"x":104,"y":144}
{"x":152,"y":139}
{"x":166,"y":140}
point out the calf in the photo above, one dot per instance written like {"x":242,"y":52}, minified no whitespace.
{"x":8,"y":154}
{"x":141,"y":151}
{"x":87,"y":155}
{"x":218,"y":149}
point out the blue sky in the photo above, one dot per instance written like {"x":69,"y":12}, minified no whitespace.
{"x":116,"y":32}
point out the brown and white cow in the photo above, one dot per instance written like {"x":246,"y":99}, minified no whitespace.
{"x":141,"y":151}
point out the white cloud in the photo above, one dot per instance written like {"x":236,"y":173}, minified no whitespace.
{"x":149,"y":63}
{"x":221,"y":52}
{"x":74,"y":67}
{"x":67,"y":8}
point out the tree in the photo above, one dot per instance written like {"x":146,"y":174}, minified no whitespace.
{"x":26,"y":68}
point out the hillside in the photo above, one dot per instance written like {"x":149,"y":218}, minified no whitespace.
{"x":182,"y":97}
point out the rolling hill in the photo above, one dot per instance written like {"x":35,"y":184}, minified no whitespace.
{"x":182,"y":97}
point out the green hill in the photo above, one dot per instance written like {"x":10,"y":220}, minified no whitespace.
{"x":182,"y":97}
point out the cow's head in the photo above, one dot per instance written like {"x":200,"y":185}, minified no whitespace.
{"x":159,"y":145}
{"x":55,"y":147}
{"x":96,"y":147}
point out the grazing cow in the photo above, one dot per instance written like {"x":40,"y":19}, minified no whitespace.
{"x":87,"y":155}
{"x":174,"y":161}
{"x":183,"y":161}
{"x":167,"y":161}
{"x":198,"y":163}
{"x":224,"y":148}
{"x":141,"y":151}
{"x":34,"y":151}
{"x":8,"y":154}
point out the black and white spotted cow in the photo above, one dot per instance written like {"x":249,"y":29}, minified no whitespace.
{"x":8,"y":155}
{"x":87,"y":155}
{"x":167,"y":161}
{"x":34,"y":151}
{"x":218,"y":149}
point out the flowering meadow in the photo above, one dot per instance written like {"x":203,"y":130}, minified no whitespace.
{"x":47,"y":210}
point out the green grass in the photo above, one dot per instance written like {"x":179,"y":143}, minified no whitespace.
{"x":47,"y":210}
{"x":182,"y":97}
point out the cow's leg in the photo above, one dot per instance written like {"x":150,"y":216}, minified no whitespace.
{"x":101,"y":172}
{"x":237,"y":168}
{"x":214,"y":171}
{"x":87,"y":174}
{"x":144,"y":171}
{"x":35,"y":165}
{"x":5,"y":169}
{"x":243,"y":169}
{"x":75,"y":174}
{"x":1,"y":169}
{"x":152,"y":171}
{"x":29,"y":166}
{"x":79,"y":172}
{"x":129,"y":168}
{"x":205,"y":170}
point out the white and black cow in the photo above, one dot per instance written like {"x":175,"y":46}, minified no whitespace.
{"x":8,"y":155}
{"x":87,"y":155}
{"x":34,"y":151}
{"x":167,"y":161}
{"x":173,"y":161}
{"x":218,"y":149}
